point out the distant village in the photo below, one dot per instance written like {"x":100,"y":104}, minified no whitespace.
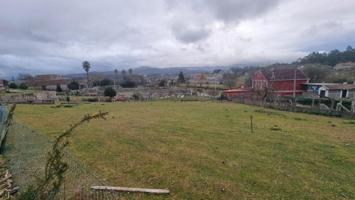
{"x":318,"y":82}
{"x":282,"y":86}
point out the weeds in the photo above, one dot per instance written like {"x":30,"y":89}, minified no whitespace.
{"x":49,"y":186}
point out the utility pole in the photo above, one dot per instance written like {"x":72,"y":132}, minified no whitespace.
{"x":294,"y":83}
{"x":215,"y":86}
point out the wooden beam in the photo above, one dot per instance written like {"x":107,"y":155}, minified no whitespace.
{"x":127,"y":189}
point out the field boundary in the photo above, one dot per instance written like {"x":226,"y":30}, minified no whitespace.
{"x":291,"y":107}
{"x":5,"y":121}
{"x":27,"y":167}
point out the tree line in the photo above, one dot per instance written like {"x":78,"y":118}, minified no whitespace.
{"x":329,"y":58}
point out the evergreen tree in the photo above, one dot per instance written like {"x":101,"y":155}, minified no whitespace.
{"x":181,"y":78}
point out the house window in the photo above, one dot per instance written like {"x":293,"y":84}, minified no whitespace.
{"x":344,"y":93}
{"x":322,"y":94}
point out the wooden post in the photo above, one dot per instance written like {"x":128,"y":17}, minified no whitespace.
{"x":126,"y":189}
{"x":251,"y":123}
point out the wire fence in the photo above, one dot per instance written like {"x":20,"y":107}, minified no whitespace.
{"x":26,"y":151}
{"x":3,"y":119}
{"x":3,"y":123}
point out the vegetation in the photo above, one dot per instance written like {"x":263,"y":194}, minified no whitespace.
{"x":230,"y":80}
{"x":205,"y":150}
{"x":12,"y":86}
{"x":325,"y":73}
{"x":74,"y":85}
{"x":317,"y":72}
{"x":103,"y":82}
{"x":181,"y":78}
{"x":86,"y":66}
{"x":162,"y":83}
{"x":23,"y":86}
{"x":110,"y":92}
{"x":332,"y":58}
{"x":49,"y":186}
{"x":128,"y":84}
{"x":116,"y":76}
{"x":59,"y":88}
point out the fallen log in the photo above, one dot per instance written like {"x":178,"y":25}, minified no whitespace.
{"x":127,"y":189}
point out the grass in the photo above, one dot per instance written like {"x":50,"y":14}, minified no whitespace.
{"x":205,"y":150}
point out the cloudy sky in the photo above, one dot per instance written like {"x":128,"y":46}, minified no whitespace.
{"x":41,"y":36}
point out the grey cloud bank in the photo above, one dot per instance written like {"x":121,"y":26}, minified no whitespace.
{"x":41,"y":36}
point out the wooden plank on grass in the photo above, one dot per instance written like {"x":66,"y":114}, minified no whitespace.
{"x":127,"y":189}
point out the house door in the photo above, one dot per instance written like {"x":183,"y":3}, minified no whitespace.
{"x":322,"y":94}
{"x":344,"y":93}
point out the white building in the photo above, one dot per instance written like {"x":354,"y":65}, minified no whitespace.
{"x":340,"y":91}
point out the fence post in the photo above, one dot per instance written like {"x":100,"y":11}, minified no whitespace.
{"x":251,"y":124}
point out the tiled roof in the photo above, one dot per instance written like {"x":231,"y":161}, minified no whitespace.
{"x":284,"y":74}
{"x":341,"y":87}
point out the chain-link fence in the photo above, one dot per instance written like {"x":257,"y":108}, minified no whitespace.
{"x":26,"y":152}
{"x":3,"y":123}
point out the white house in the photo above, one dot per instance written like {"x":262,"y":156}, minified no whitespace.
{"x":338,"y":91}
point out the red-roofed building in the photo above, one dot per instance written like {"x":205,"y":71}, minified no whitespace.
{"x":282,"y":82}
{"x":49,"y":82}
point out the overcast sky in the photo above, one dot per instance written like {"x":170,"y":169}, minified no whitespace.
{"x":41,"y":36}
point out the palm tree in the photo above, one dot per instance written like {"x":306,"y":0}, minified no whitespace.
{"x":86,"y":67}
{"x":116,"y":74}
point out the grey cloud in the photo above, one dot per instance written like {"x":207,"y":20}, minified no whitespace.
{"x":192,"y":17}
{"x":56,"y":35}
{"x":236,"y":10}
{"x":225,"y":10}
{"x":320,"y":28}
{"x":190,"y":34}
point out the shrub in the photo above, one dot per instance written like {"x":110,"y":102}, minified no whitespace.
{"x":110,"y":92}
{"x":91,"y":99}
{"x":137,"y":96}
{"x":162,"y":83}
{"x":106,"y":82}
{"x":73,"y":85}
{"x":13,"y":86}
{"x":59,"y":89}
{"x":103,"y":82}
{"x":128,"y":84}
{"x":23,"y":86}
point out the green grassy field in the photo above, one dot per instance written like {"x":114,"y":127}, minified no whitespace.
{"x":205,"y":150}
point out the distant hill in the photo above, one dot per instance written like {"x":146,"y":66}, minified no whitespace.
{"x":172,"y":71}
{"x":145,"y":70}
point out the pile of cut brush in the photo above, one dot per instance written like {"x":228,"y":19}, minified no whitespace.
{"x":7,"y":188}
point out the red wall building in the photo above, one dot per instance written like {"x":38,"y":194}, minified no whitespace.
{"x":280,"y":81}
